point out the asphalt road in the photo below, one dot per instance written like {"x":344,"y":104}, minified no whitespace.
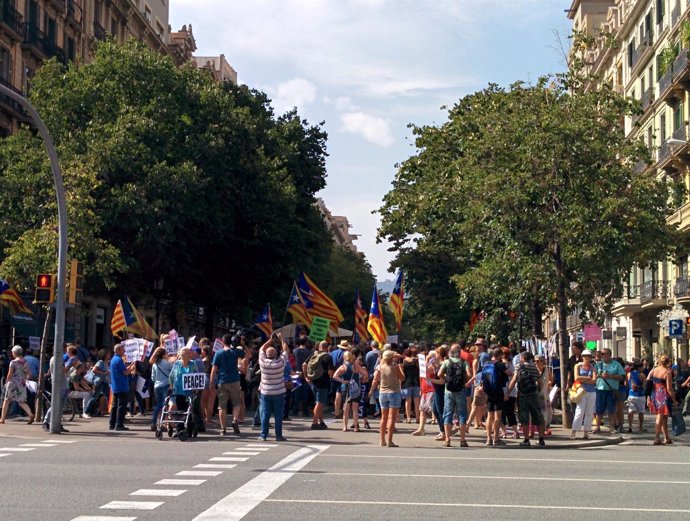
{"x":94,"y":476}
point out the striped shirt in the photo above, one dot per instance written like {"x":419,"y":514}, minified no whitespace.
{"x":272,"y":374}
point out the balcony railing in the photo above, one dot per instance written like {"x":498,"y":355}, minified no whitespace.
{"x":628,"y":292}
{"x":654,"y":289}
{"x":647,"y":98}
{"x":681,"y":287}
{"x":666,"y":81}
{"x":9,"y":102}
{"x":681,"y":133}
{"x":11,"y":18}
{"x":74,"y":12}
{"x":664,"y":152}
{"x":645,"y":44}
{"x":680,"y":64}
{"x":37,"y":39}
{"x":675,"y":14}
{"x":99,"y":32}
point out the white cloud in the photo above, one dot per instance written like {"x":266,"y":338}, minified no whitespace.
{"x":374,"y":129}
{"x":297,"y":92}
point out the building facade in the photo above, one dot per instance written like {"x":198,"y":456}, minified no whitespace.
{"x":642,"y":51}
{"x":339,"y":227}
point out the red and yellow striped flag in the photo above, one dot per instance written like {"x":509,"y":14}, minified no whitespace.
{"x":376,"y":326}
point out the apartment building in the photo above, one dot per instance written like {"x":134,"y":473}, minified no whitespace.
{"x":642,"y":51}
{"x":32,"y":31}
{"x":218,"y":67}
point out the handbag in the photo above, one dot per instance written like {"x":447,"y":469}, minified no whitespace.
{"x":577,"y":393}
{"x":89,"y":376}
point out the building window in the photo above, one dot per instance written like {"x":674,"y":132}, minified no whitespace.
{"x":660,"y":6}
{"x":683,"y":267}
{"x":631,"y":50}
{"x":71,"y":49}
{"x":678,"y":117}
{"x":662,"y":128}
{"x":650,"y":138}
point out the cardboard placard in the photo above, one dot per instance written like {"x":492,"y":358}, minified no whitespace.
{"x":319,"y":329}
{"x":134,"y":350}
{"x":171,"y":346}
{"x":34,"y":342}
{"x":193,"y":381}
{"x":217,"y":345}
{"x":422,"y":366}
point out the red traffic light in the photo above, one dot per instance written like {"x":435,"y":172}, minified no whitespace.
{"x":44,"y":280}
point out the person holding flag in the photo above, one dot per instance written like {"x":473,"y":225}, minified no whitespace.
{"x":395,"y":303}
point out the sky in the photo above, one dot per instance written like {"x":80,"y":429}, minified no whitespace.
{"x":369,"y":68}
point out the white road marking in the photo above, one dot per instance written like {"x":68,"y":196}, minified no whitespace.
{"x":1,"y":455}
{"x":103,"y":518}
{"x":186,"y":482}
{"x":480,"y":505}
{"x":532,"y":460}
{"x":170,"y":492}
{"x":240,"y":453}
{"x":211,"y":473}
{"x":239,"y":503}
{"x":59,"y":441}
{"x":38,"y":445}
{"x":247,"y":449}
{"x":15,"y":449}
{"x":261,"y":445}
{"x":510,"y":478}
{"x":215,"y":466}
{"x":228,"y":459}
{"x":133,"y":505}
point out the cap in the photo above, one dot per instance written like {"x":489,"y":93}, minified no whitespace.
{"x":587,"y":352}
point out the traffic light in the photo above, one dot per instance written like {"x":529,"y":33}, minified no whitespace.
{"x":45,"y":288}
{"x":76,"y":281}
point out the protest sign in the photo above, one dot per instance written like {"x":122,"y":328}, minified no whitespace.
{"x":34,"y":342}
{"x":133,"y":350}
{"x":422,"y":366}
{"x":180,"y":342}
{"x":192,"y":343}
{"x":217,"y":345}
{"x":142,"y":387}
{"x":171,"y":346}
{"x":193,"y":381}
{"x":319,"y":329}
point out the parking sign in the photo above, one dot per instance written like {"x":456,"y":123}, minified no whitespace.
{"x":675,"y":328}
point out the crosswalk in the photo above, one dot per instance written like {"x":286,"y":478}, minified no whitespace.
{"x":30,"y":447}
{"x":146,"y":499}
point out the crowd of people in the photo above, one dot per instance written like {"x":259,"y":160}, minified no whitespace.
{"x":501,"y":391}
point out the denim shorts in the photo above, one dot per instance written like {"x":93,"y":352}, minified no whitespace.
{"x":390,"y":400}
{"x":320,"y":395}
{"x":411,"y":392}
{"x":454,"y":403}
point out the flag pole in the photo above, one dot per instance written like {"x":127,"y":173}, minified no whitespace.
{"x":288,"y":305}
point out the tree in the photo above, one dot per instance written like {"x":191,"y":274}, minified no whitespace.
{"x":530,"y":190}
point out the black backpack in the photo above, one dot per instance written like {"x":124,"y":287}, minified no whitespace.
{"x":455,"y":376}
{"x":527,"y":384}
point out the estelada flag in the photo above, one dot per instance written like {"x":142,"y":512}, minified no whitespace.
{"x":322,"y":305}
{"x":10,"y":298}
{"x":264,"y":322}
{"x":360,"y":332}
{"x":376,"y":326}
{"x":297,"y":308}
{"x":127,"y":317}
{"x":395,"y":303}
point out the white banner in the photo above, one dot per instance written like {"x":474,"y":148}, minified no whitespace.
{"x":193,"y":381}
{"x":133,"y":350}
{"x":171,"y":346}
{"x":217,"y":345}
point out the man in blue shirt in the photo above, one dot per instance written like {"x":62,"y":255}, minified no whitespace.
{"x":609,"y":375}
{"x":225,"y":367}
{"x":119,"y":385}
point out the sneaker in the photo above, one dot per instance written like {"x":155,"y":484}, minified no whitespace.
{"x":121,"y":428}
{"x":46,"y":427}
{"x":542,"y":443}
{"x":315,"y":426}
{"x":323,"y":426}
{"x":287,"y":419}
{"x":235,"y":428}
{"x":464,"y":444}
{"x":261,"y":438}
{"x":392,"y":445}
{"x":281,"y":438}
{"x":524,"y":443}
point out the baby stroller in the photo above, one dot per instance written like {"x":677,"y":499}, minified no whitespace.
{"x":179,"y":422}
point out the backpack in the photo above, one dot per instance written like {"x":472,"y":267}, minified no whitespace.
{"x":527,"y":384}
{"x":354,"y":390}
{"x":455,"y":377}
{"x":315,"y":368}
{"x":489,"y":378}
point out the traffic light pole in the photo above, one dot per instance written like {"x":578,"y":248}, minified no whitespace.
{"x":57,"y":369}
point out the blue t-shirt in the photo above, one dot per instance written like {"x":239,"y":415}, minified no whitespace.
{"x":34,"y":365}
{"x":176,"y":374}
{"x":119,"y":383}
{"x":635,"y":381}
{"x":337,"y":357}
{"x":226,"y":362}
{"x":371,"y":360}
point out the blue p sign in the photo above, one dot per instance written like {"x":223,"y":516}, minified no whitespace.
{"x":675,"y":328}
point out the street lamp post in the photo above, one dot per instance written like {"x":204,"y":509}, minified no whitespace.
{"x":58,"y":380}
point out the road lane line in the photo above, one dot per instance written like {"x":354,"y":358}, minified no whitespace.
{"x":59,"y":441}
{"x":261,"y":445}
{"x":200,"y":473}
{"x":247,"y":449}
{"x":531,"y":460}
{"x":15,"y":449}
{"x":478,"y":505}
{"x":103,"y":518}
{"x":510,"y":478}
{"x":239,"y":503}
{"x":170,"y":492}
{"x":38,"y":445}
{"x":132,"y":505}
{"x":228,"y":459}
{"x":240,"y":453}
{"x":186,"y":482}
{"x":215,"y":466}
{"x":2,"y":455}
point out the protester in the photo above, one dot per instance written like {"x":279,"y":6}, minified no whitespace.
{"x":242,"y":369}
{"x":364,"y":395}
{"x":479,"y":401}
{"x":468,"y":358}
{"x":388,"y":376}
{"x":526,"y":378}
{"x":545,"y":383}
{"x":609,"y":375}
{"x":79,"y":387}
{"x":181,"y":398}
{"x":160,"y":374}
{"x":508,"y":418}
{"x":585,"y":375}
{"x":371,"y":361}
{"x":576,"y":358}
{"x":493,"y":379}
{"x":272,"y":385}
{"x":441,"y":354}
{"x":119,"y":386}
{"x":426,"y":404}
{"x":456,"y":375}
{"x":318,"y":371}
{"x":662,"y":398}
{"x":411,"y":386}
{"x":208,"y":396}
{"x":636,"y":400}
{"x":346,"y":373}
{"x":101,"y":384}
{"x":337,"y":358}
{"x":15,"y":388}
{"x":301,"y":396}
{"x":225,"y":367}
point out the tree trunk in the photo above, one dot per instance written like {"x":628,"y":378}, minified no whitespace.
{"x":562,"y":333}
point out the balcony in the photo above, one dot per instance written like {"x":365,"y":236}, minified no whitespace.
{"x":642,"y":49}
{"x":628,"y":301}
{"x":74,"y":14}
{"x":654,"y":294}
{"x":36,"y":41}
{"x":99,"y":32}
{"x":666,"y":84}
{"x":680,"y":66}
{"x":675,"y":15}
{"x":8,"y":103}
{"x":681,"y":289}
{"x":11,"y":20}
{"x":647,"y":99}
{"x":665,"y":154}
